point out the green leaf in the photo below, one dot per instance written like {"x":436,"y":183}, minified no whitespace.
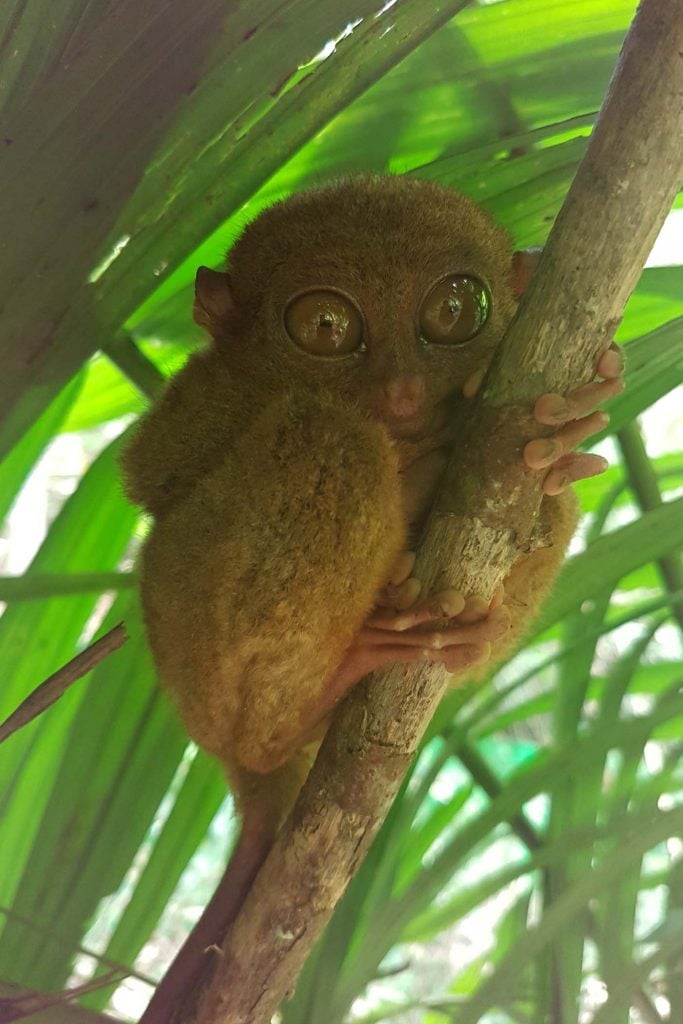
{"x":420,"y":839}
{"x":16,"y":466}
{"x":93,"y":527}
{"x":196,"y":804}
{"x":119,"y":756}
{"x":37,"y":586}
{"x":107,"y":394}
{"x":612,"y":557}
{"x":654,"y":367}
{"x":570,"y":903}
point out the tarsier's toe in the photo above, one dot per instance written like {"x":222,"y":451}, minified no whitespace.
{"x":403,"y":567}
{"x":459,"y":659}
{"x":443,"y":605}
{"x":398,"y":598}
{"x":489,"y":628}
{"x":611,"y":363}
{"x":402,"y":590}
{"x":476,"y":608}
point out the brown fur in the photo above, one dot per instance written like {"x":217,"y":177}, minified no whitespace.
{"x":279,"y":499}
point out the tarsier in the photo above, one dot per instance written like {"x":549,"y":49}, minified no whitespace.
{"x":289,"y":467}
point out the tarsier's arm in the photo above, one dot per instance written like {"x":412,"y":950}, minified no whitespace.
{"x":554,"y":457}
{"x":183,"y":435}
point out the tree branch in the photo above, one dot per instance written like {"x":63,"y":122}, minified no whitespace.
{"x":483,"y":517}
{"x":55,"y":685}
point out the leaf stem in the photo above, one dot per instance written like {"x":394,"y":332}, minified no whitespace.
{"x":643,"y":482}
{"x":38,"y":586}
{"x":140,"y":371}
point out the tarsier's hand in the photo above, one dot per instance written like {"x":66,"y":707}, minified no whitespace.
{"x":555,"y":453}
{"x":568,"y":412}
{"x":444,"y":627}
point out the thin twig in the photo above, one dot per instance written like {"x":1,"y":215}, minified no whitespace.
{"x":28,"y":1002}
{"x":49,"y":934}
{"x":57,"y":684}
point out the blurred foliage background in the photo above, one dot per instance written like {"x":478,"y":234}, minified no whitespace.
{"x":530,"y":870}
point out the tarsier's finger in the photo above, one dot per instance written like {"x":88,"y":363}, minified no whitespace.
{"x":449,"y":635}
{"x":454,"y":659}
{"x":458,"y":659}
{"x":544,"y":451}
{"x":473,"y":383}
{"x":403,"y":566}
{"x":443,"y":605}
{"x":575,"y":466}
{"x":476,"y":608}
{"x":611,"y":363}
{"x":398,"y":598}
{"x":554,"y":409}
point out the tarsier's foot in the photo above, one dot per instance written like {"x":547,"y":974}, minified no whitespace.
{"x":444,"y":627}
{"x":555,"y":453}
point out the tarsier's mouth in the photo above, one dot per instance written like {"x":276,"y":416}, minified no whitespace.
{"x":412,"y":428}
{"x":429,"y":421}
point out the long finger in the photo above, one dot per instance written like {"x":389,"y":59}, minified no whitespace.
{"x":398,"y":598}
{"x":611,"y":363}
{"x":576,"y":466}
{"x":446,"y":604}
{"x":543,"y":451}
{"x":459,"y":659}
{"x":403,"y":566}
{"x":554,"y":409}
{"x":454,"y":659}
{"x":443,"y":605}
{"x":451,"y":634}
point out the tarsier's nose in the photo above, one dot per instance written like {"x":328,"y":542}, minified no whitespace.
{"x":404,"y":396}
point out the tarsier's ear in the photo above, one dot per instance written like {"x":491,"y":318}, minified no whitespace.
{"x":213,"y":300}
{"x":524,"y":263}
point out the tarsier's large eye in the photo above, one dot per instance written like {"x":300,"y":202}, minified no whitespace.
{"x":454,"y":310}
{"x":324,"y":323}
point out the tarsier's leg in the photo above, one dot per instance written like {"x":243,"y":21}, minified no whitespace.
{"x":255,"y":584}
{"x":398,"y":630}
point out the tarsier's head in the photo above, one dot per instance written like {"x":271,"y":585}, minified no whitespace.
{"x":388,"y":291}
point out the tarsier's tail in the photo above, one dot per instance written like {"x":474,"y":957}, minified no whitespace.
{"x":196,"y":958}
{"x":269,"y":799}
